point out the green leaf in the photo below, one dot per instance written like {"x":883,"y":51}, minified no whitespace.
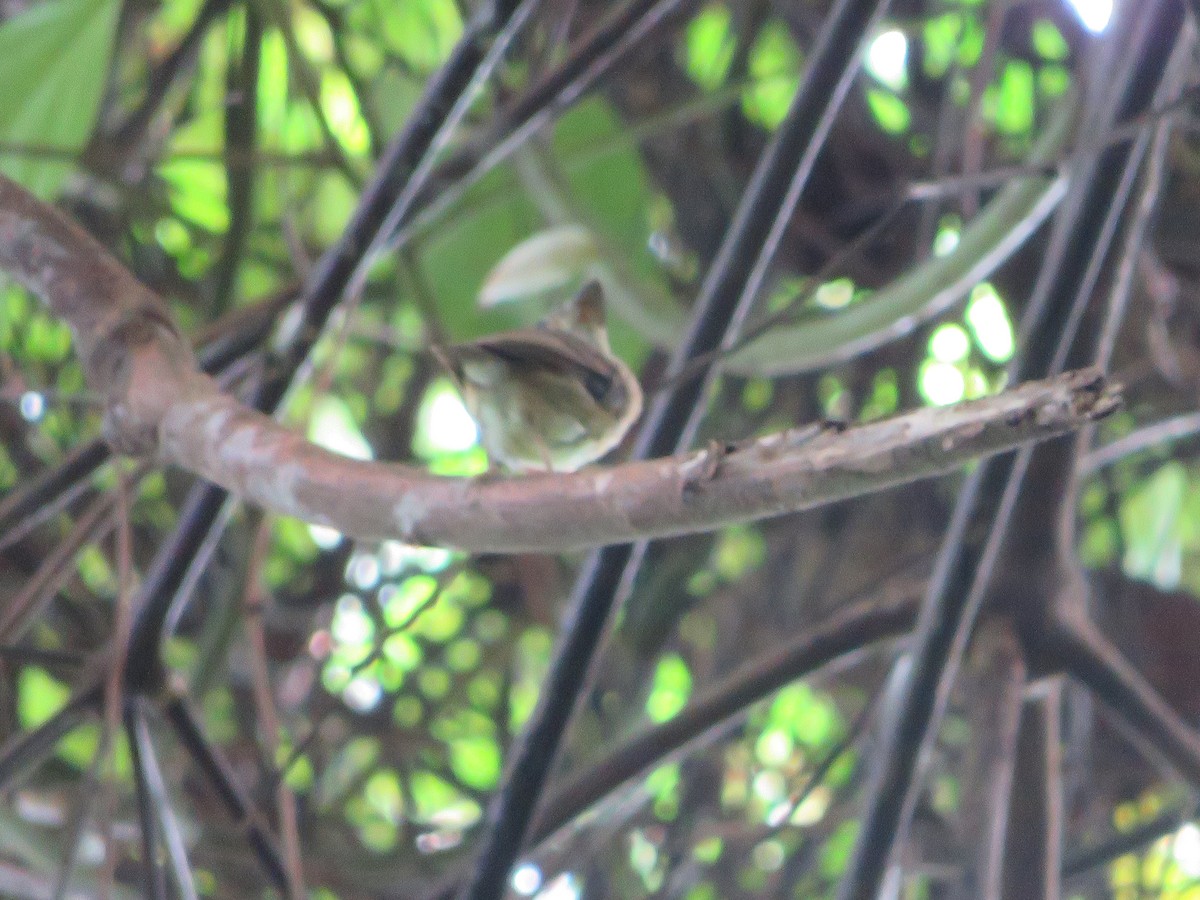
{"x":836,"y":852}
{"x":672,"y":687}
{"x":1048,"y":41}
{"x":39,"y":696}
{"x":476,"y":761}
{"x":458,"y":255}
{"x":606,"y":175}
{"x":544,"y":261}
{"x":438,"y":801}
{"x":197,"y":187}
{"x":710,"y":46}
{"x":53,"y":61}
{"x":774,"y":64}
{"x":1015,"y":99}
{"x":1151,"y":521}
{"x":889,"y":110}
{"x":422,"y":33}
{"x":941,"y":35}
{"x":739,"y":549}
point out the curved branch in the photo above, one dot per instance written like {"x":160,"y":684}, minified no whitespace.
{"x":214,"y":436}
{"x":159,"y":402}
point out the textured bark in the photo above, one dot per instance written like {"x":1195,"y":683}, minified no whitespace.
{"x":157,"y":401}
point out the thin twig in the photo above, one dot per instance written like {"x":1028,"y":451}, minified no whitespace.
{"x":156,"y":790}
{"x":270,"y":728}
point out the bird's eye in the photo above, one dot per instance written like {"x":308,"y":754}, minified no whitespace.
{"x":597,"y":385}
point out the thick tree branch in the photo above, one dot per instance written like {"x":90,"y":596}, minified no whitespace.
{"x":158,"y":402}
{"x":248,"y":453}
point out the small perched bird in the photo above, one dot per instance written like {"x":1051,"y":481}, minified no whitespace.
{"x":549,"y":398}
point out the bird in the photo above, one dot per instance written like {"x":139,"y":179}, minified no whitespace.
{"x":551,"y":398}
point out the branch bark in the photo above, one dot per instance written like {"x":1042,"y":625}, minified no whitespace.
{"x":1033,"y":852}
{"x":158,"y":402}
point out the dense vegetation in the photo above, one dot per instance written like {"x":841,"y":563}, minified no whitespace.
{"x":983,"y":685}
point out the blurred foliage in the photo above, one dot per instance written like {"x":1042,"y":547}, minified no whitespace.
{"x":48,"y":60}
{"x":403,"y":680}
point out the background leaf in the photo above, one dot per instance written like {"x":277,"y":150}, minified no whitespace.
{"x":52,"y":59}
